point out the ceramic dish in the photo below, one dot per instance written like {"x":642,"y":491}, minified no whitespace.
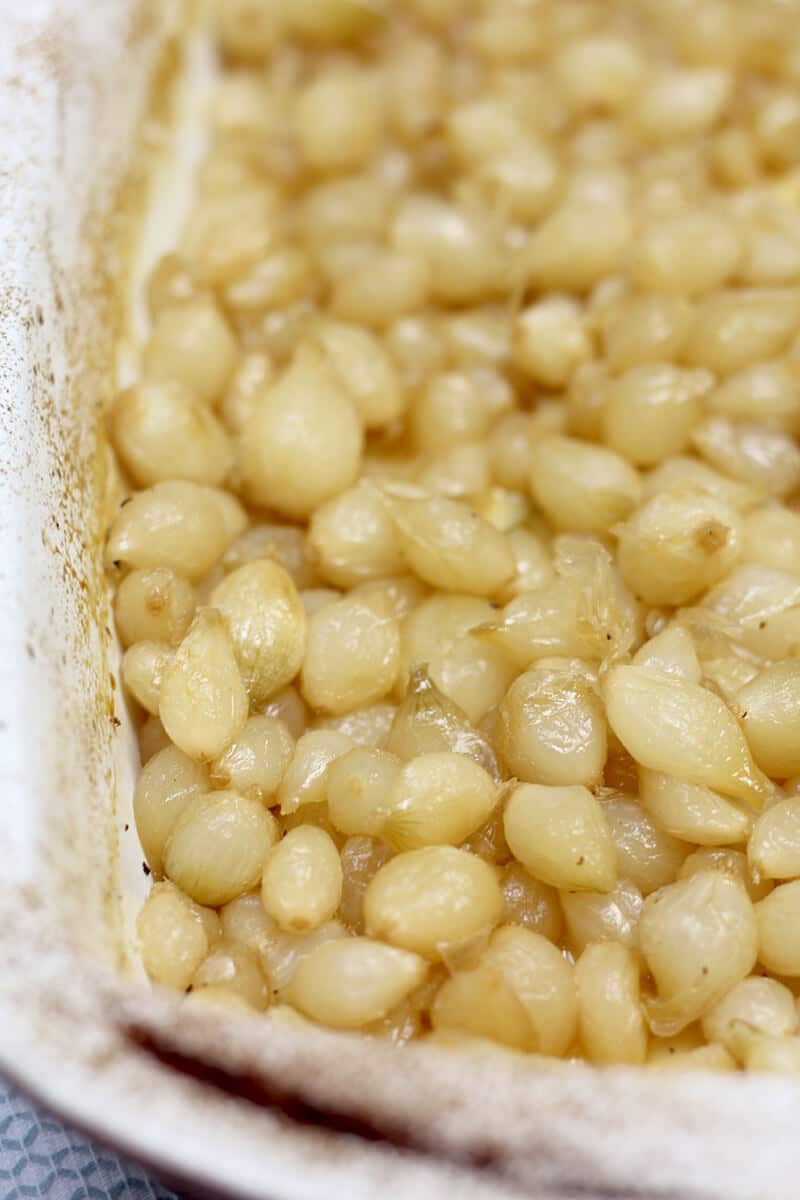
{"x":218,"y":1105}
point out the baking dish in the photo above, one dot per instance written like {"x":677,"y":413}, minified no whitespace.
{"x":219,"y":1107}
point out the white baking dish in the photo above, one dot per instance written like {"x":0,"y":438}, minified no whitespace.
{"x":224,"y":1107}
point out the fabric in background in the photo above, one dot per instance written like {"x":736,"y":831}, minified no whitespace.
{"x":42,"y":1160}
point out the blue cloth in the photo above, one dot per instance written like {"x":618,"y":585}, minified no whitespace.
{"x":40,"y":1159}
